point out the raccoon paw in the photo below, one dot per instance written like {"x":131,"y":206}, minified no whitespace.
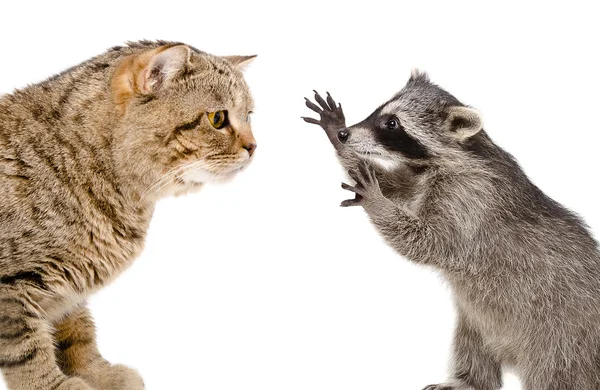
{"x":331,"y":113}
{"x":120,"y":377}
{"x":367,"y":190}
{"x":74,"y":384}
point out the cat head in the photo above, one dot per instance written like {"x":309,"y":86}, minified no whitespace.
{"x":185,"y":114}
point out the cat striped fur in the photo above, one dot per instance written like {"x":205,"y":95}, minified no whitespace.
{"x":84,"y":156}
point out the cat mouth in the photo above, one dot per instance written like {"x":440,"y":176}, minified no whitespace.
{"x":211,"y":176}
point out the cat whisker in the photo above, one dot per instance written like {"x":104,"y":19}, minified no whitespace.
{"x":163,"y":180}
{"x":185,"y":170}
{"x":215,"y":166}
{"x":158,"y":183}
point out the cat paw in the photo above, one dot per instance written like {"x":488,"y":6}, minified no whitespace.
{"x":74,"y":384}
{"x":120,"y":377}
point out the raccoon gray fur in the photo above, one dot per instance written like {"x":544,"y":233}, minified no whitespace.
{"x":524,"y":271}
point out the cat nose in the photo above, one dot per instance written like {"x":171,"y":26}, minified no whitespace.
{"x":251,"y":147}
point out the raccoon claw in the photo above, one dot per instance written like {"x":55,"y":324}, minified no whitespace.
{"x":313,"y":106}
{"x":364,"y":176}
{"x":331,"y":115}
{"x":310,"y":120}
{"x":322,"y":102}
{"x":357,"y":201}
{"x":366,"y":188}
{"x":349,"y":187}
{"x":358,"y":196}
{"x":331,"y":102}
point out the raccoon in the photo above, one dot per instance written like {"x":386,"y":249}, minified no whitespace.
{"x":524,"y":271}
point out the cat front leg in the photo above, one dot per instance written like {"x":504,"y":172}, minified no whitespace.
{"x":78,"y":355}
{"x":27,"y":358}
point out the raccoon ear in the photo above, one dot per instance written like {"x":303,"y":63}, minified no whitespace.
{"x":240,"y":62}
{"x":418,"y":75}
{"x":463,"y":122}
{"x":162,"y":67}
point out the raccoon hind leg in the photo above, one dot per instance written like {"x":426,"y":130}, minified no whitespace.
{"x":473,"y":367}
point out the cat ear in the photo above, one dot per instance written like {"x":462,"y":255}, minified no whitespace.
{"x":463,"y":122}
{"x":145,"y":73}
{"x":162,"y":67}
{"x":240,"y":62}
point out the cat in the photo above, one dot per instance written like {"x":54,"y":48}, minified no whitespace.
{"x":84,"y":156}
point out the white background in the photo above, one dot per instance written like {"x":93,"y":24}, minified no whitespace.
{"x":265,"y":283}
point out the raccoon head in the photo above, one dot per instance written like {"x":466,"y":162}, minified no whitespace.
{"x":421,"y":125}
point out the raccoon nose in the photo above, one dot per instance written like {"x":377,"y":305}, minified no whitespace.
{"x":343,"y":135}
{"x":250,"y":148}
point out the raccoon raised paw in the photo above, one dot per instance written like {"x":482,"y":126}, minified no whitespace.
{"x":331,"y":113}
{"x":120,"y":377}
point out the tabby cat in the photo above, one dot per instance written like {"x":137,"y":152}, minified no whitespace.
{"x":84,"y":156}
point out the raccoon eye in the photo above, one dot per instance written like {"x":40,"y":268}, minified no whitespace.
{"x":218,"y":119}
{"x":392,"y":124}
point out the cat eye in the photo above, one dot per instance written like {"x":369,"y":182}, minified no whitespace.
{"x":392,"y":124}
{"x":218,"y":119}
{"x":248,"y":116}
